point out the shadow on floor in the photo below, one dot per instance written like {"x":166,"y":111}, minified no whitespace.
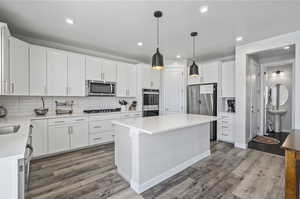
{"x":270,"y":148}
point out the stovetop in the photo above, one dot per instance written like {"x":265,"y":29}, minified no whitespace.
{"x":102,"y":110}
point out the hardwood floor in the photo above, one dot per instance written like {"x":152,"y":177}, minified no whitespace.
{"x":228,"y":173}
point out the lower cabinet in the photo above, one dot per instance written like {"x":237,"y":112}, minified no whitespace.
{"x":39,"y":137}
{"x":226,"y":127}
{"x":67,"y":134}
{"x":58,"y":138}
{"x":51,"y":136}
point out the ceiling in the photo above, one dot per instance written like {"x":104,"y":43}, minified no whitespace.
{"x":116,"y":27}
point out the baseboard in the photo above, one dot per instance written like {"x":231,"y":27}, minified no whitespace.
{"x":240,"y":145}
{"x":139,"y":188}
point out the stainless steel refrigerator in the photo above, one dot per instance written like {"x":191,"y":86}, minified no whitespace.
{"x":202,"y":99}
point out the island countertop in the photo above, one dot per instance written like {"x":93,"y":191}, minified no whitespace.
{"x":165,"y":123}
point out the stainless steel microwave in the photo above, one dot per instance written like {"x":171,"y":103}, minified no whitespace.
{"x":100,"y":88}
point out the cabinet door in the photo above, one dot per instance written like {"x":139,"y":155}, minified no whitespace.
{"x":58,"y":139}
{"x":131,"y":80}
{"x":76,"y":75}
{"x":38,"y":70}
{"x":19,"y":67}
{"x":228,"y":79}
{"x":145,"y":73}
{"x":57,"y":63}
{"x":155,"y":79}
{"x":173,"y":86}
{"x":210,"y":72}
{"x":109,"y":71}
{"x":4,"y":53}
{"x":39,"y":137}
{"x":122,"y":76}
{"x":79,"y":135}
{"x":93,"y":68}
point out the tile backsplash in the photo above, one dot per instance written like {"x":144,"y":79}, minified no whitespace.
{"x":24,"y":105}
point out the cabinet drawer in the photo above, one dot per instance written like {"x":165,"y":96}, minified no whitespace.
{"x":131,"y":115}
{"x":61,"y":121}
{"x":100,"y":138}
{"x":100,"y":126}
{"x":104,"y":117}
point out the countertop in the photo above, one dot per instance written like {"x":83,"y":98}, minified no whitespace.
{"x":292,"y":142}
{"x":13,"y":145}
{"x":164,"y":123}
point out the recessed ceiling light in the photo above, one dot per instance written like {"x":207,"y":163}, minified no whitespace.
{"x":178,"y":56}
{"x":203,"y":9}
{"x":140,"y":43}
{"x":69,"y":21}
{"x":286,"y":47}
{"x":239,"y":38}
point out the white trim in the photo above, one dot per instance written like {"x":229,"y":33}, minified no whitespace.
{"x":240,"y":145}
{"x":139,"y":188}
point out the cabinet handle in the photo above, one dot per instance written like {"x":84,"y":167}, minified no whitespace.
{"x":79,"y":120}
{"x":12,"y":87}
{"x":98,"y":138}
{"x":59,"y":122}
{"x":97,"y":127}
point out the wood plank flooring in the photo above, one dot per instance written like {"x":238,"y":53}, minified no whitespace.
{"x":229,"y":173}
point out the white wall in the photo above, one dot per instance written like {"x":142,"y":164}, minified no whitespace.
{"x":240,"y":76}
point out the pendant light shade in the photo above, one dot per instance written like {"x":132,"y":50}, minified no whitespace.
{"x":194,"y":71}
{"x":157,"y":58}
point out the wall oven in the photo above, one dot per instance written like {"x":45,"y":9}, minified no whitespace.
{"x":150,"y":102}
{"x":100,"y":88}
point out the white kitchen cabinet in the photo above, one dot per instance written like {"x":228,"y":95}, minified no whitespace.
{"x":226,"y":127}
{"x":38,"y":70}
{"x":67,"y":133}
{"x":100,"y":69}
{"x":57,"y":72}
{"x":126,"y":80}
{"x":93,"y":68}
{"x":210,"y":72}
{"x":109,"y":71}
{"x":58,"y":138}
{"x":79,"y":135}
{"x":76,"y":75}
{"x":39,"y":137}
{"x":148,"y":78}
{"x":228,"y":73}
{"x":4,"y":59}
{"x":19,"y":67}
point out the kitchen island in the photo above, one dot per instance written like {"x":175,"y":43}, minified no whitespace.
{"x":149,"y":150}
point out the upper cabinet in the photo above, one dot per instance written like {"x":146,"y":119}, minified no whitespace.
{"x":4,"y":59}
{"x":208,"y":73}
{"x":228,"y":72}
{"x":148,"y":78}
{"x":76,"y":75}
{"x":126,"y":80}
{"x":18,"y":67}
{"x":100,"y":69}
{"x":38,"y":70}
{"x":57,"y":70}
{"x":93,"y":68}
{"x":109,"y":71}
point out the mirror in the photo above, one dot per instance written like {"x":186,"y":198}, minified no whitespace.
{"x":279,"y":95}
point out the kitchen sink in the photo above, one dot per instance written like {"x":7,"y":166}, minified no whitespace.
{"x":9,"y":129}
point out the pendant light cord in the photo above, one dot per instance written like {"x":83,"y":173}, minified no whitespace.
{"x":193,"y":48}
{"x":157,"y":42}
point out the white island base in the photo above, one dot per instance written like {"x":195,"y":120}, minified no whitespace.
{"x":145,"y":155}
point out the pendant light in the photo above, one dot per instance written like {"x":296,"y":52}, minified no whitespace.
{"x":157,"y":58}
{"x":194,"y":68}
